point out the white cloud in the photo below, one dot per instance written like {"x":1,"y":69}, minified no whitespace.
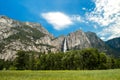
{"x":106,"y":12}
{"x":111,"y":32}
{"x":58,"y":20}
{"x":76,"y":18}
{"x":84,"y":8}
{"x":107,"y":15}
{"x":103,"y":38}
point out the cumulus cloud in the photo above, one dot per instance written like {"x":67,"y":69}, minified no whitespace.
{"x":107,"y":15}
{"x":58,"y":20}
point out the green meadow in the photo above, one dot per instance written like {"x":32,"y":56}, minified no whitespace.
{"x":113,"y":74}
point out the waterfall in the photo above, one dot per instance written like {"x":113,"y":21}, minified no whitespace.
{"x":65,"y":45}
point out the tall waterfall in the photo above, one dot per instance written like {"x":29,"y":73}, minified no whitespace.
{"x":65,"y":45}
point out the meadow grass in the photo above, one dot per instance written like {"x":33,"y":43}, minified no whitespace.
{"x":113,"y":74}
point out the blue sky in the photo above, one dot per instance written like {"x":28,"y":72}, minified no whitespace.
{"x":61,"y":17}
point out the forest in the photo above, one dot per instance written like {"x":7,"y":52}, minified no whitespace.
{"x":86,"y":59}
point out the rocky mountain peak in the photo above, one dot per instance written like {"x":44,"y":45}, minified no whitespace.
{"x":77,"y":40}
{"x":95,"y":41}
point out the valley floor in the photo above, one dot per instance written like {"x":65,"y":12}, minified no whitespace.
{"x":113,"y":74}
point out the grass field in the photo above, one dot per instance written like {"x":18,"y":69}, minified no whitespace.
{"x":61,"y":75}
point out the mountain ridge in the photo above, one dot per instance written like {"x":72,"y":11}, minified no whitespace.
{"x":27,"y":36}
{"x":114,"y":44}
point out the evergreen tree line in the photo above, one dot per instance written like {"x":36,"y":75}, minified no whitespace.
{"x":87,"y":59}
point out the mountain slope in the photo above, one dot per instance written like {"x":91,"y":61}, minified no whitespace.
{"x":15,"y":35}
{"x":114,"y":44}
{"x":96,"y":42}
{"x":77,"y":40}
{"x":27,"y":36}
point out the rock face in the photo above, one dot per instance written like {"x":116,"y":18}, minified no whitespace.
{"x":15,"y":36}
{"x":77,"y":40}
{"x":96,"y":42}
{"x":114,"y":44}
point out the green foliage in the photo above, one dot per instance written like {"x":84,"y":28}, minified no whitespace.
{"x":5,"y":64}
{"x":87,"y":59}
{"x":25,"y":60}
{"x":118,"y":63}
{"x":12,"y":67}
{"x":21,"y":61}
{"x":1,"y":64}
{"x":90,"y":58}
{"x":1,"y":46}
